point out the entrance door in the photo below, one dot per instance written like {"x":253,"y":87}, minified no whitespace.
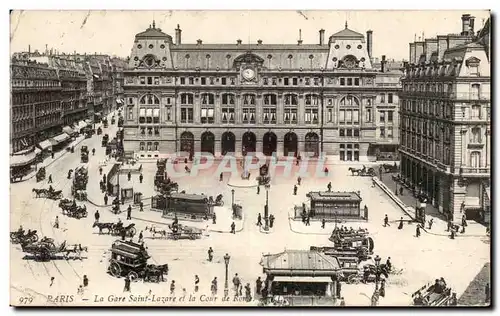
{"x":312,"y":144}
{"x":228,"y":143}
{"x":342,"y":155}
{"x":356,"y":156}
{"x":208,"y":143}
{"x":269,"y":143}
{"x":248,"y":143}
{"x":187,"y":143}
{"x":290,"y":144}
{"x":349,"y":155}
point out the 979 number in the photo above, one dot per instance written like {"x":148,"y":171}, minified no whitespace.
{"x":26,"y":300}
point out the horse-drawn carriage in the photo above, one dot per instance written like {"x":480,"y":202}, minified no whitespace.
{"x":80,"y":179}
{"x":105,"y":139}
{"x":363,"y":172}
{"x":40,"y":174}
{"x":353,"y":274}
{"x":20,"y":236}
{"x":264,"y":177}
{"x":69,"y":208}
{"x":167,"y":187}
{"x":218,"y":200}
{"x":79,"y":195}
{"x":99,"y":130}
{"x":84,"y":157}
{"x":437,"y":294}
{"x":113,"y":120}
{"x":356,"y":242}
{"x":178,"y":231}
{"x":343,"y":232}
{"x":46,"y":249}
{"x":130,"y":259}
{"x":105,"y":122}
{"x":388,"y":168}
{"x":49,"y":194}
{"x":116,"y":229}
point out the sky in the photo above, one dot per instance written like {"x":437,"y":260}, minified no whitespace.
{"x":112,"y":32}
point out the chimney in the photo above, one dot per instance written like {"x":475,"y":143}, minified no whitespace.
{"x":369,"y":42}
{"x":199,"y":42}
{"x":299,"y":42}
{"x":178,"y":32}
{"x":465,"y":24}
{"x":471,"y":26}
{"x":238,"y":42}
{"x":412,"y":53}
{"x":46,"y":49}
{"x":382,"y":64}
{"x":442,"y":46}
{"x":259,"y":42}
{"x":430,"y":46}
{"x":419,"y":50}
{"x":29,"y":49}
{"x":321,"y":37}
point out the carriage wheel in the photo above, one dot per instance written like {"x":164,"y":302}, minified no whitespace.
{"x":192,"y":236}
{"x":34,"y":238}
{"x":353,"y":279}
{"x":44,"y":254}
{"x":85,"y":213}
{"x":132,"y":231}
{"x":175,"y":236}
{"x":221,"y":203}
{"x":115,"y":270}
{"x":133,"y":276}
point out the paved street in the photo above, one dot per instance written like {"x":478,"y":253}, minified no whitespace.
{"x":423,"y":259}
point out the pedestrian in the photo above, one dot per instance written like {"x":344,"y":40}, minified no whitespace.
{"x":382,"y":288}
{"x":196,"y":283}
{"x":386,"y":221}
{"x":388,"y":264}
{"x":329,"y":186}
{"x":100,"y":171}
{"x":400,"y":224}
{"x":123,"y":199}
{"x":52,"y":155}
{"x":431,"y":221}
{"x":259,"y":220}
{"x":258,"y":286}
{"x":487,"y":293}
{"x":271,"y":221}
{"x":233,"y":228}
{"x":417,"y":231}
{"x":464,"y":220}
{"x":339,"y":289}
{"x":105,"y":199}
{"x":308,"y":220}
{"x":221,"y":177}
{"x":295,"y":190}
{"x":52,"y":281}
{"x":463,"y":229}
{"x":210,"y":254}
{"x":342,"y":301}
{"x":129,"y":212}
{"x":214,"y":219}
{"x":129,"y":176}
{"x":97,"y":216}
{"x":56,"y":222}
{"x":85,"y":281}
{"x":101,"y":186}
{"x":123,"y":233}
{"x":172,"y":287}
{"x":448,"y":227}
{"x":50,"y":178}
{"x":93,"y":151}
{"x":214,"y":286}
{"x":325,"y":171}
{"x":323,"y":222}
{"x":258,"y":189}
{"x":140,"y":236}
{"x":248,"y":292}
{"x":141,"y":205}
{"x":127,"y":285}
{"x":141,"y":177}
{"x":452,"y":234}
{"x":236,"y":283}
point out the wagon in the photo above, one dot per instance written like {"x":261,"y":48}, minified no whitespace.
{"x":20,"y":237}
{"x":218,"y":200}
{"x":130,"y":259}
{"x":130,"y":230}
{"x":43,"y":250}
{"x":183,"y":232}
{"x":84,"y":157}
{"x":40,"y":174}
{"x":99,"y":131}
{"x":427,"y":296}
{"x":54,"y":195}
{"x":353,"y":274}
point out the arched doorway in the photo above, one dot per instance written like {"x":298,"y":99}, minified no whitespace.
{"x":290,"y":144}
{"x":228,"y":143}
{"x":269,"y":143}
{"x":248,"y":143}
{"x":208,"y":143}
{"x":187,"y":143}
{"x":312,"y":144}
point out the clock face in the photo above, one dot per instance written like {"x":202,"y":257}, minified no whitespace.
{"x":248,"y":74}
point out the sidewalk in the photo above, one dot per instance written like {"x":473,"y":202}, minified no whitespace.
{"x":473,"y":229}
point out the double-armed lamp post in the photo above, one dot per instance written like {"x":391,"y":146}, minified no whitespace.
{"x":227,"y":257}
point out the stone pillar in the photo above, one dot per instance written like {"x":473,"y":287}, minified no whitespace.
{"x":217,"y":147}
{"x":238,"y":147}
{"x":238,"y":110}
{"x":464,"y":147}
{"x":197,"y":145}
{"x":301,"y":110}
{"x":258,"y":145}
{"x":280,"y":148}
{"x":197,"y":108}
{"x":217,"y":109}
{"x":279,"y":109}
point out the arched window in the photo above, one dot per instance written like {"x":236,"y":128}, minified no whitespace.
{"x":207,"y":99}
{"x":475,"y":91}
{"x":475,"y":159}
{"x":228,"y":99}
{"x":349,"y":101}
{"x":150,"y":99}
{"x":475,"y":113}
{"x":291,"y":99}
{"x":312,"y":99}
{"x":141,"y":146}
{"x":156,"y":146}
{"x":249,"y":99}
{"x":149,"y":146}
{"x":475,"y":135}
{"x":270,"y":99}
{"x":187,"y":99}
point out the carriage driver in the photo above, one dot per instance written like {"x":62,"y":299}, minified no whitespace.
{"x":364,"y":169}
{"x":20,"y":231}
{"x":119,"y":224}
{"x":51,"y":189}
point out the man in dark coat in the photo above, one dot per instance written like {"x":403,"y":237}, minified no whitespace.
{"x":417,"y":232}
{"x":127,"y":285}
{"x":140,"y":178}
{"x":210,"y":254}
{"x":258,"y":189}
{"x":259,"y":220}
{"x":97,"y":215}
{"x":386,"y":221}
{"x":323,"y":222}
{"x":50,"y":178}
{"x":400,"y":223}
{"x":339,"y":289}
{"x":329,"y":186}
{"x":233,"y":228}
{"x":129,"y":212}
{"x":105,"y":199}
{"x":295,"y":190}
{"x":271,"y":220}
{"x":258,"y":285}
{"x":129,"y":176}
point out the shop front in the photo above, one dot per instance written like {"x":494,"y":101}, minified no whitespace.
{"x":58,"y":142}
{"x":332,"y":205}
{"x":21,"y":163}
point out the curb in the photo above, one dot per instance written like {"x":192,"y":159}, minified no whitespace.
{"x":302,"y":233}
{"x":110,"y":205}
{"x":404,"y":207}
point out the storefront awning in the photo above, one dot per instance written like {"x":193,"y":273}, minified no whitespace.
{"x":80,"y":125}
{"x":118,"y":101}
{"x":318,"y":279}
{"x":88,"y":121}
{"x":68,"y":130}
{"x":22,"y":160}
{"x":45,"y":144}
{"x":59,"y":139}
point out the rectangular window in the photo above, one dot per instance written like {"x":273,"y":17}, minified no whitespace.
{"x":295,"y":81}
{"x":382,"y":98}
{"x":356,"y":132}
{"x":348,"y":116}
{"x":307,"y":81}
{"x":342,"y":81}
{"x":355,"y":116}
{"x":143,"y":80}
{"x":349,"y":132}
{"x":356,"y":81}
{"x":342,"y":117}
{"x":349,"y":81}
{"x":390,"y":98}
{"x":290,"y":116}
{"x":390,"y":115}
{"x":130,"y":115}
{"x":389,"y":132}
{"x":285,"y":81}
{"x":191,"y":80}
{"x":150,"y":80}
{"x":142,"y":116}
{"x":265,"y":81}
{"x":228,"y":116}
{"x":249,"y":115}
{"x":183,"y":80}
{"x":329,"y":114}
{"x":186,"y":115}
{"x":203,"y":81}
{"x":341,"y":132}
{"x":156,"y":116}
{"x":149,"y":116}
{"x":382,"y":116}
{"x":382,"y":132}
{"x":223,"y":81}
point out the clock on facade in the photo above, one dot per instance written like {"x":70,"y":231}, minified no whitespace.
{"x":248,"y":73}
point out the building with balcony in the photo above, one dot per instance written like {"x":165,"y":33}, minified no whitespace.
{"x":118,"y":66}
{"x":270,"y":98}
{"x":445,"y":115}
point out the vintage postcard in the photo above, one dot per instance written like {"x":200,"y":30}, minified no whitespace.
{"x":250,"y":158}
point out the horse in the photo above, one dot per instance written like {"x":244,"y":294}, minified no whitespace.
{"x":77,"y":250}
{"x":152,"y":230}
{"x":355,"y":171}
{"x":102,"y":226}
{"x":39,"y":192}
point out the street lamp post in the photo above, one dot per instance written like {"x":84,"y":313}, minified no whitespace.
{"x":227,"y":257}
{"x":232,"y":197}
{"x":377,"y":270}
{"x":266,"y":208}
